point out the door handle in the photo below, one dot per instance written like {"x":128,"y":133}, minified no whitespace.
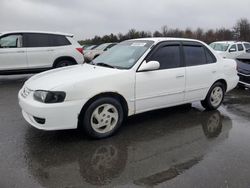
{"x":180,"y":76}
{"x":21,"y":51}
{"x":50,"y":50}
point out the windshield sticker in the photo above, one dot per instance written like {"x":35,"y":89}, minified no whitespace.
{"x":138,"y":44}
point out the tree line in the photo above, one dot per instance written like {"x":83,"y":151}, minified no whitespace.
{"x":240,"y":31}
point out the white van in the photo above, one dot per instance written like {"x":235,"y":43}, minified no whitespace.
{"x":29,"y":52}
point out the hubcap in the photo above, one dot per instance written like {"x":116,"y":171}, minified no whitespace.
{"x":104,"y":118}
{"x":216,"y":96}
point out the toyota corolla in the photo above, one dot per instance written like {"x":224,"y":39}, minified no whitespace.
{"x":133,"y":77}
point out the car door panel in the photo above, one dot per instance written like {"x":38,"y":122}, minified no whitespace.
{"x":157,"y":89}
{"x":12,"y":57}
{"x":198,"y":81}
{"x":201,"y":71}
{"x":40,"y":53}
{"x":40,"y":57}
{"x":163,"y":87}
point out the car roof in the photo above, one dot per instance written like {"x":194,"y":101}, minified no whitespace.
{"x":161,"y":39}
{"x":43,"y":32}
{"x":230,"y":42}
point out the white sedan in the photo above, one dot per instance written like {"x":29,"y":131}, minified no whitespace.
{"x":133,"y":77}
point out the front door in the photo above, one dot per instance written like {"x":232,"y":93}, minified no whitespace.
{"x":165,"y":86}
{"x":12,"y":54}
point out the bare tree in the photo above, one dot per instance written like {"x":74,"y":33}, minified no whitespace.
{"x":242,"y":29}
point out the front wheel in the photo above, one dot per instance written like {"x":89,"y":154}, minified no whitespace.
{"x":214,"y":97}
{"x":103,"y":118}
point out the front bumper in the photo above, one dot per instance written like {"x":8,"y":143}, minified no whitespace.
{"x":57,"y":116}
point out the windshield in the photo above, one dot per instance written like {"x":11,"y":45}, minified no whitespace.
{"x":125,"y":54}
{"x":220,"y":46}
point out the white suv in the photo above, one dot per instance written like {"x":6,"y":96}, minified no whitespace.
{"x":132,"y":77}
{"x":22,"y":52}
{"x":230,"y":49}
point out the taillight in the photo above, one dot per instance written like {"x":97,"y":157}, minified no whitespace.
{"x":80,"y":50}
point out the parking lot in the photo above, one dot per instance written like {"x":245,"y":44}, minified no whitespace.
{"x":176,"y":147}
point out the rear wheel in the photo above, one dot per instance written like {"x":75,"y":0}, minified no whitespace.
{"x":64,"y":63}
{"x":214,"y":97}
{"x":103,"y":118}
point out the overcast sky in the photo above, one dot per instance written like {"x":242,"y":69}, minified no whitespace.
{"x":87,"y":18}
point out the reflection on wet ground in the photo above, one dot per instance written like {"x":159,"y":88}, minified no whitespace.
{"x":183,"y":146}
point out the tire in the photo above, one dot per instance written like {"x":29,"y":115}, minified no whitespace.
{"x":214,"y":97}
{"x":102,"y":118}
{"x":64,"y":63}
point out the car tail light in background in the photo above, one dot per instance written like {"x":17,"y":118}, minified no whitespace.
{"x":80,"y":50}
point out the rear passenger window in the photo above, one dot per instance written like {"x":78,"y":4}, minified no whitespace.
{"x":209,"y":56}
{"x":194,"y":55}
{"x":167,"y":56}
{"x":58,"y":40}
{"x":36,"y":40}
{"x":240,"y":47}
{"x":44,"y":40}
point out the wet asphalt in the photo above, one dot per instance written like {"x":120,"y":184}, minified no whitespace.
{"x":183,"y":146}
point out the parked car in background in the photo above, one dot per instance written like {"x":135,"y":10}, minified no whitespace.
{"x":88,"y":48}
{"x":243,"y":67}
{"x":29,"y":52}
{"x":230,"y":49}
{"x":134,"y":76}
{"x":92,"y":54}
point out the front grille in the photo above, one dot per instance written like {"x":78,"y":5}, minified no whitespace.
{"x":25,"y":92}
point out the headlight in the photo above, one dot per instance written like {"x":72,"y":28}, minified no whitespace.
{"x":49,"y":96}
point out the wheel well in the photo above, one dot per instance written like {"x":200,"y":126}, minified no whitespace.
{"x":223,"y":82}
{"x":117,"y":96}
{"x":68,"y":58}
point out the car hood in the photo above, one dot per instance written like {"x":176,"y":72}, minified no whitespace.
{"x":51,"y":80}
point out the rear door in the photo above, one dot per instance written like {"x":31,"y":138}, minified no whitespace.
{"x":165,"y":86}
{"x":40,"y":51}
{"x":201,"y":70}
{"x":12,"y":52}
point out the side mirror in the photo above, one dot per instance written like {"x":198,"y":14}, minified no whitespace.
{"x":232,"y":50}
{"x":248,"y":50}
{"x":149,"y":66}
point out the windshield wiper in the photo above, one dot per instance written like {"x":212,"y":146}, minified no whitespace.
{"x":105,"y":65}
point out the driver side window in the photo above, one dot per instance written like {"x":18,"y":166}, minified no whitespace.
{"x":11,"y":41}
{"x":168,"y":56}
{"x":233,"y":48}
